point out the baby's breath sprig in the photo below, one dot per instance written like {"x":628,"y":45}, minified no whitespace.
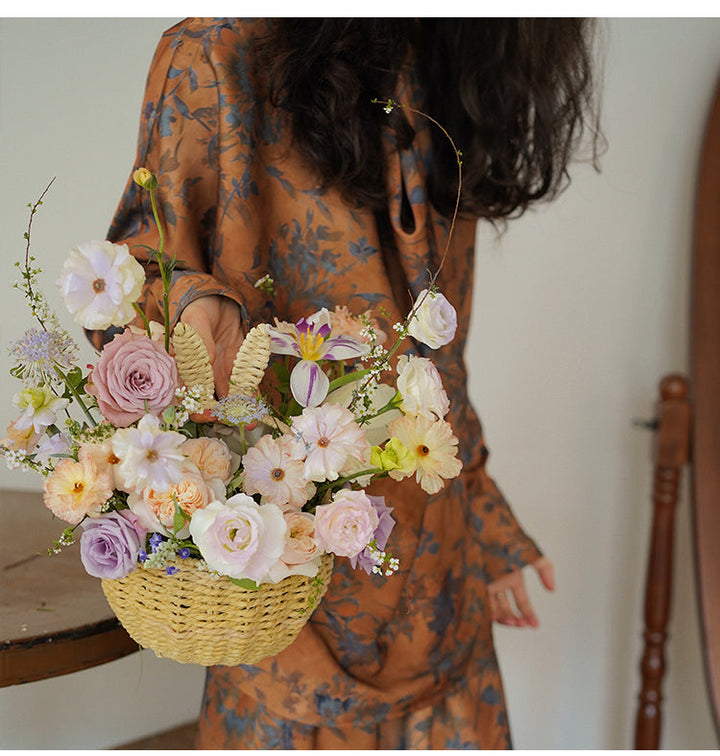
{"x":67,"y":538}
{"x":385,"y":562}
{"x":266,"y":284}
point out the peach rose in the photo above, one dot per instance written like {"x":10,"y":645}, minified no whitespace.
{"x":212,"y":457}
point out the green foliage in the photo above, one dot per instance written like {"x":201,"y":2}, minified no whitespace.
{"x":246,"y":583}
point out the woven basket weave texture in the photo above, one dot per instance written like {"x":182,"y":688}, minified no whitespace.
{"x":194,"y":618}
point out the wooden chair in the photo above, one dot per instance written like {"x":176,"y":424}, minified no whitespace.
{"x":683,"y":435}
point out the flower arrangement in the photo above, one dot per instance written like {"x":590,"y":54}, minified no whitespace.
{"x":161,"y":477}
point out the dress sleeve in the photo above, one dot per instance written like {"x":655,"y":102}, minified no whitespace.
{"x":179,"y":142}
{"x":505,"y":545}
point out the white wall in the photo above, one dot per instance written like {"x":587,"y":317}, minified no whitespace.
{"x":581,"y":307}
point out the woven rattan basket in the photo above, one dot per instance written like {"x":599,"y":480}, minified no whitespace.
{"x":192,"y":618}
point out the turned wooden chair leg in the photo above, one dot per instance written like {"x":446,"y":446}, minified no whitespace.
{"x":671,"y":453}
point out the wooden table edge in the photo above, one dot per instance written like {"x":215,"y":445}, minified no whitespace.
{"x":44,"y":656}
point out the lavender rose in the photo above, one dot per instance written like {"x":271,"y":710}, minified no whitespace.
{"x":133,"y":376}
{"x":110,"y":544}
{"x":382,"y":532}
{"x":347,"y":524}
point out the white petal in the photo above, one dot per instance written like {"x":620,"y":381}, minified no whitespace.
{"x":308,"y":383}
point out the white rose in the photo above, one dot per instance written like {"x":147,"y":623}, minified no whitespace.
{"x":434,"y":322}
{"x":239,"y":538}
{"x":421,"y":387}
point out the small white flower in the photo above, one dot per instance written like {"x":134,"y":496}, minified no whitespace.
{"x":99,"y":282}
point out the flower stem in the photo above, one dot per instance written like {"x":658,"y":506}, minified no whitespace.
{"x":163,"y":270}
{"x":374,"y":471}
{"x":343,"y":380}
{"x":77,"y":397}
{"x":140,"y":312}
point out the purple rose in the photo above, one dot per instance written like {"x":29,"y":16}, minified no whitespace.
{"x":133,"y":376}
{"x":110,"y":544}
{"x":382,"y":532}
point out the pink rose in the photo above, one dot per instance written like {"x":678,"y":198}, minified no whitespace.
{"x":347,"y":524}
{"x":133,"y":376}
{"x":300,"y":546}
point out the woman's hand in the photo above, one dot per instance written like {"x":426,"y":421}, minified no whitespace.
{"x":217,"y":321}
{"x":509,"y":602}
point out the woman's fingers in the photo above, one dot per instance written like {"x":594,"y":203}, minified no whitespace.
{"x":216,"y":320}
{"x":524,"y":606}
{"x":546,"y":572}
{"x":509,"y":600}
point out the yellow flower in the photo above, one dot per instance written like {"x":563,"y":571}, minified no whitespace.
{"x":433,"y":448}
{"x":395,"y":456}
{"x":145,"y":178}
{"x":76,"y":489}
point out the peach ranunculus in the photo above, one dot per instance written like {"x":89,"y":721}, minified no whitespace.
{"x":156,"y":509}
{"x":212,"y":457}
{"x":76,"y":489}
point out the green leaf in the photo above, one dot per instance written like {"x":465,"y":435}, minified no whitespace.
{"x":249,"y":585}
{"x":283,"y":375}
{"x":75,"y":378}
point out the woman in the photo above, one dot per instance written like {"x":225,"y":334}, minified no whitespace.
{"x":272,"y":158}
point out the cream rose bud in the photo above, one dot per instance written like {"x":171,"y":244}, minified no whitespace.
{"x":421,"y":387}
{"x":435,"y":321}
{"x":346,"y":525}
{"x":145,"y":178}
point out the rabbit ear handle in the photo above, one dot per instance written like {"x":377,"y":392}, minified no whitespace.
{"x":251,"y":362}
{"x":193,"y":363}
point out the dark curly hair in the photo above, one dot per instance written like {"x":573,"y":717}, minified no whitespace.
{"x":515,"y":94}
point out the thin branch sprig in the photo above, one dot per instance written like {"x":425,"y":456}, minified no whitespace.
{"x":383,"y":363}
{"x":28,"y":273}
{"x":389,"y":106}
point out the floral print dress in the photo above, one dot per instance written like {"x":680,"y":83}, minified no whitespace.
{"x":384,"y":663}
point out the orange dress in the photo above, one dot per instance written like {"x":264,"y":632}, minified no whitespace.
{"x":384,"y":663}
